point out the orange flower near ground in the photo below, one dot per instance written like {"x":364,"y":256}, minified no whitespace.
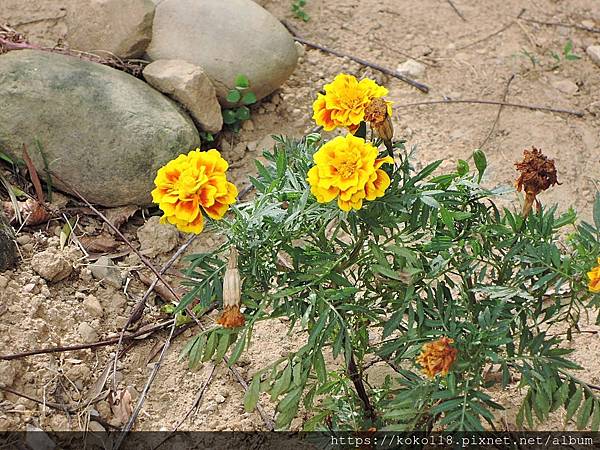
{"x":594,"y":276}
{"x":344,"y":102}
{"x":347,"y":168}
{"x":190,"y":184}
{"x":436,"y":357}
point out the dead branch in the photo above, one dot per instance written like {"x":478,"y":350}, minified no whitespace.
{"x":510,"y":79}
{"x":69,"y":348}
{"x":420,"y":86}
{"x":456,"y":10}
{"x":562,"y":24}
{"x":492,"y":102}
{"x":485,"y":38}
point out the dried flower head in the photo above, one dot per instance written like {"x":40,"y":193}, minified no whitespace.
{"x":436,"y":357}
{"x":190,"y":184}
{"x":594,"y":276}
{"x":231,"y":317}
{"x":347,"y":168}
{"x":344,"y":102}
{"x":378,"y":113}
{"x":537,"y":173}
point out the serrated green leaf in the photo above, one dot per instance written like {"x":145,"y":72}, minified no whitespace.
{"x":584,"y":413}
{"x":196,"y":352}
{"x":211,"y":346}
{"x":222,"y":347}
{"x":595,"y":425}
{"x":283,"y":382}
{"x":251,"y":397}
{"x":574,"y":403}
{"x":237,"y":351}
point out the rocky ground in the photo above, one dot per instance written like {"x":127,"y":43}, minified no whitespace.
{"x":57,"y":296}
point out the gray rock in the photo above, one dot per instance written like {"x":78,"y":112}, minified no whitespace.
{"x":565,"y":86}
{"x":156,"y":238}
{"x":219,"y":398}
{"x":593,"y":52}
{"x":225,"y":38}
{"x":104,"y":269}
{"x":51,"y":264}
{"x":411,"y":68}
{"x":102,"y":131}
{"x":190,"y":86}
{"x":123,"y":28}
{"x":87,"y":333}
{"x":7,"y":373}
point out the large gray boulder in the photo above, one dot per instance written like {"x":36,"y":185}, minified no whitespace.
{"x":225,"y":38}
{"x":121,"y":27}
{"x":102,"y":131}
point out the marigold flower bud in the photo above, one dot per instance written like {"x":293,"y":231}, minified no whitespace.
{"x":231,"y":316}
{"x":377,"y":113}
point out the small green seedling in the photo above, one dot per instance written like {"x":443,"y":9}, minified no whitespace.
{"x":298,"y":10}
{"x":242,"y":97}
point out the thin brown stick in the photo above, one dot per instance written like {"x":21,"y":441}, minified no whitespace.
{"x":53,"y":405}
{"x":493,"y":102}
{"x":194,"y":406}
{"x":500,"y":30}
{"x":71,"y":348}
{"x":456,"y":10}
{"x":510,"y":79}
{"x":359,"y":385}
{"x":138,"y":309}
{"x":562,"y":24}
{"x":420,"y":86}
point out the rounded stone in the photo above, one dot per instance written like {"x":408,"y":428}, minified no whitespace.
{"x":100,"y":130}
{"x":226,"y":39}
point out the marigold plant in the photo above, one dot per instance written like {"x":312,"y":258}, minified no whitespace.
{"x":412,"y":297}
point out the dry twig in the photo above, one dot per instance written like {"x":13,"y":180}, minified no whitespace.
{"x":493,"y":102}
{"x":510,"y":79}
{"x":420,"y":86}
{"x":485,"y":38}
{"x":69,"y":348}
{"x":562,"y":24}
{"x":456,"y":10}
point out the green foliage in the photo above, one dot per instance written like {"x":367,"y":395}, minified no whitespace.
{"x":241,"y":97}
{"x":298,"y":10}
{"x":433,"y":257}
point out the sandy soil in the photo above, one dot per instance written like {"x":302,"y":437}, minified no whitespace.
{"x":461,"y":63}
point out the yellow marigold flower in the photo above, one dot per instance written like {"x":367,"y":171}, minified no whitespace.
{"x":436,"y":357}
{"x":347,"y":168}
{"x":594,"y":276}
{"x":190,"y":183}
{"x":344,"y":102}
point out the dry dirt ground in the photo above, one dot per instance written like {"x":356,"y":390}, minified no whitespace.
{"x":463,"y":61}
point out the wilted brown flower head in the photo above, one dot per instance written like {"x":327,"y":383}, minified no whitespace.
{"x":537,"y":173}
{"x":436,"y":357}
{"x":377,"y":113}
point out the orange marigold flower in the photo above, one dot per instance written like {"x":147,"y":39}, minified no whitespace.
{"x":191,"y":183}
{"x":538,"y":173}
{"x":594,"y":276}
{"x":344,"y":102}
{"x":347,"y":168}
{"x":436,"y":357}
